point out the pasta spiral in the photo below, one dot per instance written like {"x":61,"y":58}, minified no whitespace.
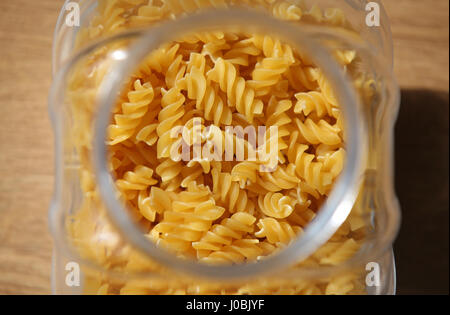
{"x":237,"y":252}
{"x":316,"y":133}
{"x":326,"y":88}
{"x":277,"y":232}
{"x":168,"y":170}
{"x":341,"y":285}
{"x":241,"y":51}
{"x":223,"y":234}
{"x":273,"y":48}
{"x":207,"y":98}
{"x":190,"y":216}
{"x":132,"y":112}
{"x":245,"y":171}
{"x":283,"y":178}
{"x":334,"y":253}
{"x":215,"y":49}
{"x":229,"y":193}
{"x":276,"y":205}
{"x":159,"y":60}
{"x":175,"y":71}
{"x":305,"y":167}
{"x":302,"y":78}
{"x":147,"y":14}
{"x":157,"y":201}
{"x":193,"y":174}
{"x":182,"y":6}
{"x":172,"y":110}
{"x":287,"y":11}
{"x":277,"y":113}
{"x":140,"y":179}
{"x":148,"y":134}
{"x":238,"y":92}
{"x":332,"y":158}
{"x":267,"y":74}
{"x":312,"y":102}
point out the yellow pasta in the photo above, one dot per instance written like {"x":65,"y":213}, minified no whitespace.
{"x":220,"y":235}
{"x":267,"y":74}
{"x":170,"y":115}
{"x":317,"y":133}
{"x":238,"y":252}
{"x":277,"y":231}
{"x":132,"y":112}
{"x":216,"y":210}
{"x":287,"y":11}
{"x":207,"y":97}
{"x":227,"y":192}
{"x":239,"y":93}
{"x":276,"y":205}
{"x":312,"y":102}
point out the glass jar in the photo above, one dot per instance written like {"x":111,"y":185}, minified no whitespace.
{"x":99,"y":248}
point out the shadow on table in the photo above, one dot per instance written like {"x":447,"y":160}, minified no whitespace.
{"x":422,"y":183}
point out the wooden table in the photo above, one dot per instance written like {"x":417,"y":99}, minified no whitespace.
{"x":420,"y":31}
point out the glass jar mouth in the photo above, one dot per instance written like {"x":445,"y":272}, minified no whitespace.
{"x":339,"y":203}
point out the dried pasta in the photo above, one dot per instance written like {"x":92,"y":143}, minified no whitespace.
{"x":225,"y":211}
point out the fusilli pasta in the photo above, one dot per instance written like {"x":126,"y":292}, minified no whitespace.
{"x":218,"y":211}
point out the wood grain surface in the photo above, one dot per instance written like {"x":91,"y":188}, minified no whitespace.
{"x":420,"y":30}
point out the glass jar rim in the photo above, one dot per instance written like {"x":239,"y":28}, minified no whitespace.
{"x":339,"y":203}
